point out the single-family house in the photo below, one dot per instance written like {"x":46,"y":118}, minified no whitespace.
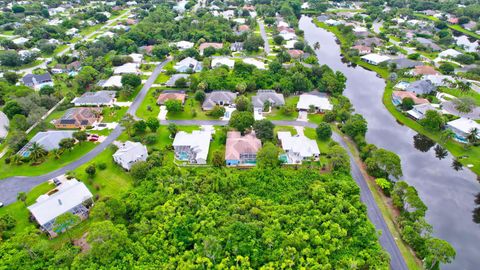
{"x":188,"y":64}
{"x":79,"y":118}
{"x":127,"y":68}
{"x":252,"y":61}
{"x":370,"y":42}
{"x":402,"y":63}
{"x":314,"y":100}
{"x":20,"y":41}
{"x":462,"y":128}
{"x":298,"y":147}
{"x":269,"y":97}
{"x":399,"y":96}
{"x":236,"y":46}
{"x":129,"y":153}
{"x":48,"y":140}
{"x":205,"y":45}
{"x":288,"y":36}
{"x":362,"y":50}
{"x":37,"y":81}
{"x":439,"y":80}
{"x":171,"y":81}
{"x":428,"y":44}
{"x":99,"y":98}
{"x":449,"y":53}
{"x":71,"y":196}
{"x":424,"y":70}
{"x":375,"y":59}
{"x":221,"y":98}
{"x":171,"y":95}
{"x":137,"y":58}
{"x":453,"y":20}
{"x":241,"y":150}
{"x":192,"y":147}
{"x":421,"y":87}
{"x":183,"y":45}
{"x":222,"y":61}
{"x":418,"y":111}
{"x":243,"y":28}
{"x":295,"y":54}
{"x":113,"y":82}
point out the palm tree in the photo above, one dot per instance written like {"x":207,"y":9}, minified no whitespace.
{"x":22,"y":196}
{"x":446,"y":135}
{"x":464,"y":87}
{"x":473,"y":136}
{"x":16,"y":159}
{"x":56,"y":153}
{"x":37,"y":151}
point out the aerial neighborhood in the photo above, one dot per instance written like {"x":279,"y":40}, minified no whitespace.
{"x":239,"y":134}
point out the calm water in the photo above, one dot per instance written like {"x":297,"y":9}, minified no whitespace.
{"x":448,"y":193}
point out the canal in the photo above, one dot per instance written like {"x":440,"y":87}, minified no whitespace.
{"x":448,"y":190}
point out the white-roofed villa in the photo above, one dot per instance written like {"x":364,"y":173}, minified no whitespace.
{"x":71,"y":196}
{"x":192,"y":147}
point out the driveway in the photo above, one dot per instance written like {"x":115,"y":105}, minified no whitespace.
{"x":11,"y":186}
{"x":386,"y":239}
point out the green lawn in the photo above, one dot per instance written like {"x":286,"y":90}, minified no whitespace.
{"x":277,"y":114}
{"x":149,"y":107}
{"x":113,"y":114}
{"x":162,"y":78}
{"x":316,"y":118}
{"x":51,"y":164}
{"x":458,"y":93}
{"x":189,"y":109}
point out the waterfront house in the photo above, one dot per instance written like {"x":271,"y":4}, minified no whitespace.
{"x":71,"y":196}
{"x":462,"y":128}
{"x":192,"y":147}
{"x":421,"y":87}
{"x":399,"y":96}
{"x":423,"y":70}
{"x":129,"y":153}
{"x":241,"y":150}
{"x":298,"y":148}
{"x":362,"y":50}
{"x":418,"y":111}
{"x":317,"y":100}
{"x":79,"y":118}
{"x":374,"y":59}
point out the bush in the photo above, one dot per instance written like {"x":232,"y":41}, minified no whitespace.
{"x":102,"y":166}
{"x":385,"y":185}
{"x":324,"y":131}
{"x":217,"y":112}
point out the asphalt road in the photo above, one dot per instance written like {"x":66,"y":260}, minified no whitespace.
{"x":10,"y":187}
{"x":264,"y":36}
{"x":374,"y":214}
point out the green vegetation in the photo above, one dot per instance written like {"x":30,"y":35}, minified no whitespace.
{"x":50,"y":164}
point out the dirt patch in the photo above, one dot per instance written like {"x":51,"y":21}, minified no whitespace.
{"x":82,"y":243}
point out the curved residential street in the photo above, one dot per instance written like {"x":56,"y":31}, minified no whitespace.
{"x":266,"y":46}
{"x":10,"y":187}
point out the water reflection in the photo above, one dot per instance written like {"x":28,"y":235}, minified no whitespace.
{"x":422,"y":143}
{"x":440,"y":152}
{"x":457,"y":165}
{"x":476,"y":211}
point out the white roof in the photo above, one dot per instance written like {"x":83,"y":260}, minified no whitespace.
{"x":70,"y":194}
{"x":252,"y":61}
{"x":184,"y":44}
{"x":107,"y":34}
{"x":290,"y":44}
{"x":129,"y":153}
{"x":319,"y":101}
{"x":114,"y":81}
{"x":438,"y":80}
{"x":20,"y":40}
{"x":449,"y":53}
{"x":223,"y":61}
{"x":186,"y":62}
{"x":288,"y":36}
{"x":465,"y":125}
{"x":126,"y":68}
{"x":376,"y":58}
{"x":298,"y":144}
{"x":137,"y":57}
{"x":198,"y":140}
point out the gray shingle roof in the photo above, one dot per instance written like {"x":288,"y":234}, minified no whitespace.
{"x":421,"y":87}
{"x":267,"y":95}
{"x":218,"y":98}
{"x":99,"y":97}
